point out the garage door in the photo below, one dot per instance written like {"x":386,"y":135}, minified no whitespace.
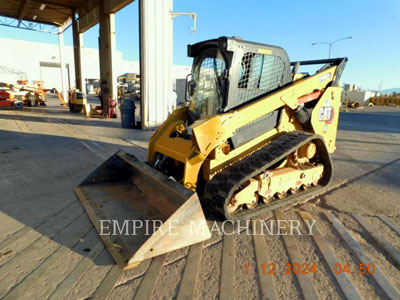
{"x":51,"y":78}
{"x":51,"y":75}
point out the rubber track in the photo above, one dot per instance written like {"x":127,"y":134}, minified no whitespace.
{"x":221,"y":187}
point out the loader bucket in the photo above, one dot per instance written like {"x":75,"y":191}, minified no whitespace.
{"x":139,"y":212}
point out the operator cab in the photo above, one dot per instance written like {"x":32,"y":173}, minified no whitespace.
{"x":229,"y":72}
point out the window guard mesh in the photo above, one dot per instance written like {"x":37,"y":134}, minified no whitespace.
{"x":259,"y":74}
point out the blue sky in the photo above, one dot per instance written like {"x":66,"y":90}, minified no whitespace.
{"x":373,"y":52}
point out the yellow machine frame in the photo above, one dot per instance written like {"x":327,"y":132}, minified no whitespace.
{"x":208,"y":148}
{"x":78,"y":101}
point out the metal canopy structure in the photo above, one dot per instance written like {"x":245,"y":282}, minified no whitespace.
{"x":37,"y":14}
{"x":59,"y":12}
{"x":28,"y":25}
{"x":54,"y":12}
{"x":155,"y":26}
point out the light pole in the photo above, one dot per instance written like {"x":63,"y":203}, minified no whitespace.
{"x":330,"y":44}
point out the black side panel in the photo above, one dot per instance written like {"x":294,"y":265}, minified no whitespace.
{"x":256,"y":128}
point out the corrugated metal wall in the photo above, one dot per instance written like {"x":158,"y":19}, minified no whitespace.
{"x":156,"y":61}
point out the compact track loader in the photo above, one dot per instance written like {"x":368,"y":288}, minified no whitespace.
{"x":256,"y":135}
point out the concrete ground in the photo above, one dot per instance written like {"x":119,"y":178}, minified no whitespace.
{"x":50,"y":250}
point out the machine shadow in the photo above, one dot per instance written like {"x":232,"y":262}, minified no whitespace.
{"x":74,"y":121}
{"x":38,"y":176}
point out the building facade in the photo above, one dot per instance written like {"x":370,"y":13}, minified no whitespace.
{"x":353,"y":93}
{"x":41,"y":61}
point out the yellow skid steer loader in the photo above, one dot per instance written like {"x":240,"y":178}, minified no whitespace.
{"x":256,"y":135}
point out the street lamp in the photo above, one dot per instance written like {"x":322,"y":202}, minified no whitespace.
{"x":330,"y":44}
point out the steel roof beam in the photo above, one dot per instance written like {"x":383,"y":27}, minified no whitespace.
{"x":89,"y":12}
{"x":55,"y":4}
{"x":23,"y":9}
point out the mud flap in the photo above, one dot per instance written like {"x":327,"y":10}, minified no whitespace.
{"x":139,"y":212}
